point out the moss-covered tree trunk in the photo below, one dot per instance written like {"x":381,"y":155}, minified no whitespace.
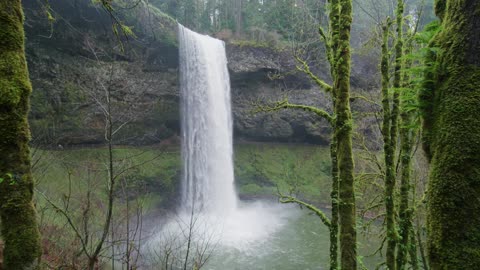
{"x":412,"y":250}
{"x":390,"y":179}
{"x":343,"y":129}
{"x":389,"y":151}
{"x":18,"y":217}
{"x":332,"y":54}
{"x":391,"y":112}
{"x":451,"y":108}
{"x":407,"y":132}
{"x":334,"y":198}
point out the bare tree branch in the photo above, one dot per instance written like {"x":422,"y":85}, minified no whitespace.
{"x":285,"y":104}
{"x":290,"y":199}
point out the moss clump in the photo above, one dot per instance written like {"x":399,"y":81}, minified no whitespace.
{"x":250,"y":43}
{"x":12,"y":83}
{"x":440,"y":7}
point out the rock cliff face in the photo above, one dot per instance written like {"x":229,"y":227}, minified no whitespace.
{"x":258,"y":77}
{"x":75,"y":64}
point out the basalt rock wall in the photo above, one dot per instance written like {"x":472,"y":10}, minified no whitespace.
{"x":83,"y":75}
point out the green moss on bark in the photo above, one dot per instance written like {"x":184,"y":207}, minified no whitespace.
{"x":453,"y":221}
{"x":19,"y":225}
{"x":343,"y":130}
{"x":407,"y":130}
{"x":426,"y":99}
{"x":440,"y":7}
{"x":334,"y":198}
{"x":332,"y":47}
{"x":390,"y":149}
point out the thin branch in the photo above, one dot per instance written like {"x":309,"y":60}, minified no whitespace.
{"x":285,"y":104}
{"x":305,"y":68}
{"x":366,"y":99}
{"x":289,"y":199}
{"x":69,"y":220}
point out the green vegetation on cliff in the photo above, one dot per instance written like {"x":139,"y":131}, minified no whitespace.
{"x":301,"y":169}
{"x":259,"y":169}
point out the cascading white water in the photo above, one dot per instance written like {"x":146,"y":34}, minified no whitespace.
{"x":209,"y":212}
{"x":207,"y":151}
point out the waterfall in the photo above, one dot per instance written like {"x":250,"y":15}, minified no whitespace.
{"x":206,"y":125}
{"x":210,"y":213}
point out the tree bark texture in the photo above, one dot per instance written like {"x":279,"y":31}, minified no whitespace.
{"x":451,"y":110}
{"x":18,"y":216}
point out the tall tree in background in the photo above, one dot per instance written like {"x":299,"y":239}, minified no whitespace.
{"x":406,"y":149}
{"x":408,"y":131}
{"x":237,"y":13}
{"x":450,"y":103}
{"x":19,"y":222}
{"x":388,"y":149}
{"x":187,"y":13}
{"x":391,"y":112}
{"x":399,"y":227}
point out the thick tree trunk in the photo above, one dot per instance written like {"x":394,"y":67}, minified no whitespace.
{"x":451,"y":120}
{"x":19,"y":224}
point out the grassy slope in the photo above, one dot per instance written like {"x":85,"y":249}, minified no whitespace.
{"x":259,"y":169}
{"x":58,"y":171}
